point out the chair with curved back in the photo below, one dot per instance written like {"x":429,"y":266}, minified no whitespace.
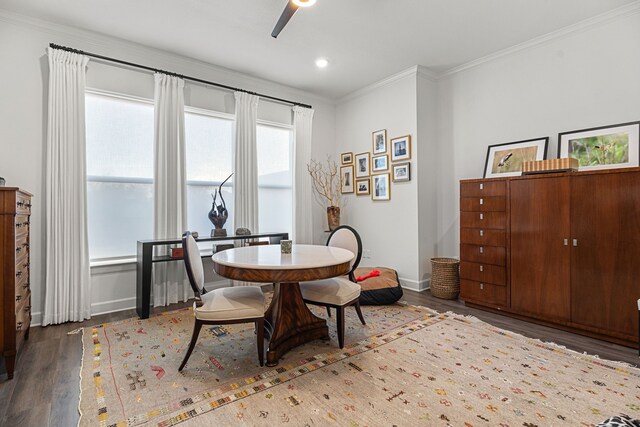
{"x":221,"y":306}
{"x":338,"y":292}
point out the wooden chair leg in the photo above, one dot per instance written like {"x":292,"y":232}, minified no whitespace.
{"x":260,"y":338}
{"x":194,"y":338}
{"x":340,"y":311}
{"x":360,"y":316}
{"x":328,"y":311}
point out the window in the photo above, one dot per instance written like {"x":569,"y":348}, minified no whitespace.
{"x":275,"y":195}
{"x":119,"y":174}
{"x":209,"y":148}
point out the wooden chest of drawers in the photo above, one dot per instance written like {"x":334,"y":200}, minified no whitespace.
{"x":483,"y":242}
{"x":15,"y":291}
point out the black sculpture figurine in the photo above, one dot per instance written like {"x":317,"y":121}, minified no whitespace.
{"x":218,"y":214}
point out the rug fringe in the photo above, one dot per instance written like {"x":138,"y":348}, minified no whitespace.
{"x":80,"y":330}
{"x":75,"y":331}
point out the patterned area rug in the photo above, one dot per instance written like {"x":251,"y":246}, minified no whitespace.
{"x":409,"y":366}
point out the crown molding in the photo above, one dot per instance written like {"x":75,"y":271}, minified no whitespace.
{"x":614,"y":14}
{"x":151,"y":55}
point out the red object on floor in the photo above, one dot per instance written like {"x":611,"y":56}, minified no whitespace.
{"x":374,"y":273}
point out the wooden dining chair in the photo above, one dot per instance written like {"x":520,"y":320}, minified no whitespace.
{"x":338,"y":292}
{"x":221,"y":306}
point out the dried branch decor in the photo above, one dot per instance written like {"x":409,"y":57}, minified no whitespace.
{"x":326,"y":180}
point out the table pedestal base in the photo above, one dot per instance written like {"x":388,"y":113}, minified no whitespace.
{"x":291,"y":321}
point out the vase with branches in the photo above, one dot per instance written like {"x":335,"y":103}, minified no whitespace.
{"x":326,"y":182}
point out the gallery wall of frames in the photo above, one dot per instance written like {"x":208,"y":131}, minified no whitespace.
{"x":371,"y":173}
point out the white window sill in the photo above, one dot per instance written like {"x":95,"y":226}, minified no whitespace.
{"x":110,"y":262}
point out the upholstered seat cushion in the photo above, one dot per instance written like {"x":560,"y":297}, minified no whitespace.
{"x":231,"y":303}
{"x":336,"y":291}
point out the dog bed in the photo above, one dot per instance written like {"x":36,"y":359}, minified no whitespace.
{"x":381,"y":290}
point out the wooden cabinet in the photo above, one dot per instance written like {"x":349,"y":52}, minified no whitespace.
{"x":483,"y":242}
{"x":562,"y":250}
{"x":15,"y":291}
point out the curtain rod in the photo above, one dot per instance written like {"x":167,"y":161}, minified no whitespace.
{"x":157,"y":70}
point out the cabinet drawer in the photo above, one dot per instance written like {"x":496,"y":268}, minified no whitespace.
{"x":483,"y":220}
{"x":483,"y":204}
{"x":22,"y":245}
{"x":22,"y":294}
{"x":483,"y":293}
{"x":22,"y":224}
{"x":495,"y":255}
{"x":485,"y":273}
{"x":485,"y":188}
{"x":23,"y":315}
{"x":23,"y":204}
{"x":480,"y":236}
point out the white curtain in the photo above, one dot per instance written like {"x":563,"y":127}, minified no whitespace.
{"x":67,"y":275}
{"x":169,"y":186}
{"x":302,"y":190}
{"x":245,"y":172}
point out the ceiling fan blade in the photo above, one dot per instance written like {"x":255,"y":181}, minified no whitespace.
{"x":287,"y":13}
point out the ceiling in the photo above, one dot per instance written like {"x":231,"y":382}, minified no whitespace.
{"x":364,"y":40}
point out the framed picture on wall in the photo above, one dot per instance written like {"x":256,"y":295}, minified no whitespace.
{"x":363,"y":161}
{"x":346,"y":179}
{"x":379,"y":141}
{"x":506,"y":159}
{"x":346,"y":158}
{"x":401,"y":172}
{"x":605,"y":147}
{"x":401,"y":148}
{"x":380,"y":163}
{"x":362,"y":187}
{"x":381,"y":190}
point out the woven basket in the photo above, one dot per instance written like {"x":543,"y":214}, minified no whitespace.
{"x":445,"y":278}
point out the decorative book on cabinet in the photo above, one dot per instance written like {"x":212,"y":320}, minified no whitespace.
{"x":558,"y":249}
{"x":15,"y":291}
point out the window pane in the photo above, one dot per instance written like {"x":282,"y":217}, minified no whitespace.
{"x":209,"y":143}
{"x":275,"y":196}
{"x":119,"y":215}
{"x":119,"y":174}
{"x":119,"y":137}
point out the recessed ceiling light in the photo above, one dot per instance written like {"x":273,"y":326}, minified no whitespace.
{"x":322,"y":62}
{"x":304,"y":3}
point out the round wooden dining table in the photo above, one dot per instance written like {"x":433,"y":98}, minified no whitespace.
{"x":289,"y":322}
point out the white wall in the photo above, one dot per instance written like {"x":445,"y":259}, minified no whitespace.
{"x":24,"y":74}
{"x":586,"y":78}
{"x":388,"y":228}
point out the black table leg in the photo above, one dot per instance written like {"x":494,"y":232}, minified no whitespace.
{"x":143,"y":280}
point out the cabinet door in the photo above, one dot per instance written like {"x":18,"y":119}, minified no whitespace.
{"x":540,"y":281}
{"x":605,"y":264}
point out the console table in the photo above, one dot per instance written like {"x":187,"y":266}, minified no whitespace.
{"x":145,"y":260}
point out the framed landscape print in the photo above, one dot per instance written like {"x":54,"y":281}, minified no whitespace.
{"x":380,"y":163}
{"x":346,"y":158}
{"x":381,"y":190}
{"x":506,"y":159}
{"x":401,"y":148}
{"x":401,"y":172}
{"x":605,"y":147}
{"x":363,"y":161}
{"x":380,"y":141}
{"x":362,"y":187}
{"x":346,"y":179}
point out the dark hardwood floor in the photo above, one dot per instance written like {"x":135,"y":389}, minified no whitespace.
{"x":45,"y":389}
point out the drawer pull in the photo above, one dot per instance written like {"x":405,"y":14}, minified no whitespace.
{"x":481,"y":216}
{"x":26,"y":265}
{"x":20,"y":204}
{"x":27,"y":308}
{"x":19,"y":326}
{"x":575,"y":242}
{"x":481,"y":286}
{"x":26,"y":285}
{"x":481,"y":250}
{"x":19,"y":273}
{"x":18,"y":297}
{"x":482,"y":186}
{"x":481,"y":268}
{"x":481,"y":233}
{"x":27,"y":205}
{"x":481,"y":202}
{"x":19,"y":248}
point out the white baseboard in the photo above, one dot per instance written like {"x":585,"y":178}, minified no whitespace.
{"x":415,"y":285}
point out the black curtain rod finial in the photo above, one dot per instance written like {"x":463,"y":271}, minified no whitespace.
{"x":156,"y":70}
